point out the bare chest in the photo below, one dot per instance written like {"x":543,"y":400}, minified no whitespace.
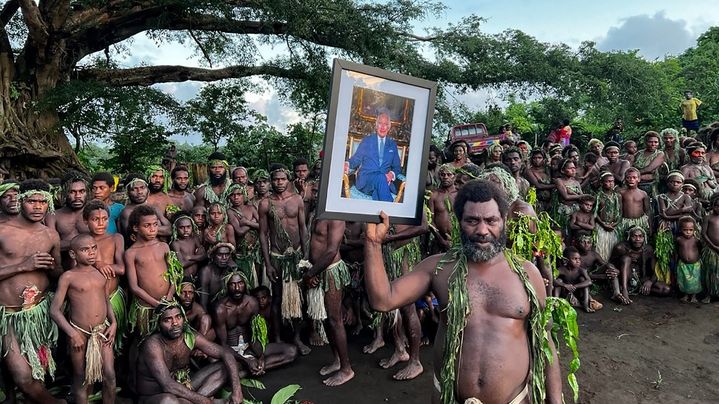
{"x":499,"y":296}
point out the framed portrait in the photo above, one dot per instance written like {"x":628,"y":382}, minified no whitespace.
{"x":379,"y":127}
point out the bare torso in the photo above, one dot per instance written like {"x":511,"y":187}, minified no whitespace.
{"x":159,"y":200}
{"x":86,"y":297}
{"x":150,"y":267}
{"x":633,"y":200}
{"x":16,"y":245}
{"x":494,"y":360}
{"x":688,"y":249}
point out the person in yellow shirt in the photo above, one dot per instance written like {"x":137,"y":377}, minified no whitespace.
{"x":689,"y":107}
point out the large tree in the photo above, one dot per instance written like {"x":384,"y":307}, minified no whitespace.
{"x":45,"y":44}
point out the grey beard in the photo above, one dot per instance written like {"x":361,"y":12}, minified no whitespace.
{"x":484,"y":254}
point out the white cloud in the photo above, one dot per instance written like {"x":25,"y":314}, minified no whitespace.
{"x":654,"y":36}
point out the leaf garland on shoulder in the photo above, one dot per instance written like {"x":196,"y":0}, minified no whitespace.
{"x":564,"y":318}
{"x":456,"y":238}
{"x":175,"y":271}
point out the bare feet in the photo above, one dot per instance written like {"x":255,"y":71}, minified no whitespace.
{"x":424,"y":342}
{"x":374,"y":346}
{"x":331,"y":368}
{"x":589,"y":309}
{"x":341,"y":377}
{"x":684,"y":299}
{"x":693,"y":299}
{"x":413,"y":369}
{"x":316,"y":340}
{"x":396,"y":357}
{"x":304,"y":349}
{"x":707,"y":300}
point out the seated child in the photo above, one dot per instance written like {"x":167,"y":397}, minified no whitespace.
{"x":583,"y":219}
{"x":573,"y":280}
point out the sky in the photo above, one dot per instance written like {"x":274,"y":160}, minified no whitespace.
{"x":655,"y":28}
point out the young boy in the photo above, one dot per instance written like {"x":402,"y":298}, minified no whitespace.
{"x":146,"y":269}
{"x":688,"y":264}
{"x":573,"y":280}
{"x":583,"y":219}
{"x":199,"y":216}
{"x":609,"y":214}
{"x":690,"y":189}
{"x":186,"y":243}
{"x":109,"y":261}
{"x":264,"y":299}
{"x":635,"y":204}
{"x":710,"y":255}
{"x":90,"y":325}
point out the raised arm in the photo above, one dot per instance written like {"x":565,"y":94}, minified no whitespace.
{"x":384,"y":296}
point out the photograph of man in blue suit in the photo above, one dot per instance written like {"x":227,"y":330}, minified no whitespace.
{"x":377,"y":161}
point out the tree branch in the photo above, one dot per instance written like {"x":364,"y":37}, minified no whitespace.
{"x":8,"y":11}
{"x":202,"y":48}
{"x":145,"y":76}
{"x":37,"y":29}
{"x":419,"y":37}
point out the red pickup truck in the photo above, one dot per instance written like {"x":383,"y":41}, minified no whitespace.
{"x":476,"y":136}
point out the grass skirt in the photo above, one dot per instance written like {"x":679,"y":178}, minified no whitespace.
{"x":36,"y":335}
{"x":606,"y":240}
{"x":710,"y":266}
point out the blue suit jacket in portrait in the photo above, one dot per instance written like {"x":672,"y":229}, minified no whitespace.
{"x":371,"y":176}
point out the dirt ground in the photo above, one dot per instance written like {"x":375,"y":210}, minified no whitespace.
{"x":656,"y":350}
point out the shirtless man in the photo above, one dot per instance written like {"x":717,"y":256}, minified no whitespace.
{"x":137,"y":193}
{"x":146,"y":266}
{"x":490,"y":350}
{"x":440,"y":204}
{"x":331,"y":274}
{"x":90,"y":325}
{"x":234,"y":316}
{"x":636,"y":262}
{"x":29,"y":258}
{"x":512,"y":158}
{"x":67,"y":221}
{"x":699,"y":171}
{"x":158,"y":196}
{"x":110,"y":262}
{"x":283,"y":235}
{"x":212,"y":273}
{"x":163,"y":366}
{"x":178,"y":192}
{"x":195,"y":314}
{"x":186,"y":243}
{"x":635,"y":205}
{"x":240,"y":176}
{"x":102,"y":185}
{"x":9,"y":205}
{"x":538,"y":176}
{"x":616,"y":165}
{"x":215,"y":188}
